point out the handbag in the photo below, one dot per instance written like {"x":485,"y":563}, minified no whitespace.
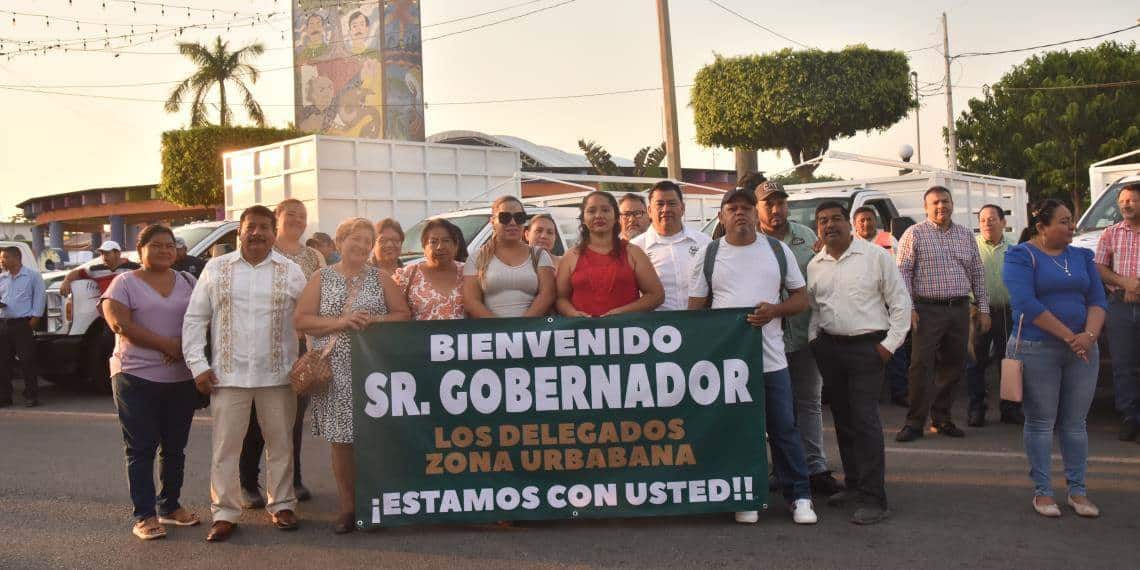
{"x":312,"y":372}
{"x":1012,"y":369}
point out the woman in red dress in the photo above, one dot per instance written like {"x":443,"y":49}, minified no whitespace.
{"x":605,"y":275}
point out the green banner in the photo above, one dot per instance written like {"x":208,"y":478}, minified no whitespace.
{"x":551,"y":418}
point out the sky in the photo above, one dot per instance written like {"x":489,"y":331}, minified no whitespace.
{"x":106,"y":130}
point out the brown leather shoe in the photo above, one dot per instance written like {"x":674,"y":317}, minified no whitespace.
{"x":220,"y":531}
{"x":285,"y":520}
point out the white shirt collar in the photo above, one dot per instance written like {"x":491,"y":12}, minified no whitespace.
{"x":652,"y":237}
{"x":858,"y":247}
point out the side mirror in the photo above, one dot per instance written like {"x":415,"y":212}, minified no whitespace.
{"x":900,"y":224}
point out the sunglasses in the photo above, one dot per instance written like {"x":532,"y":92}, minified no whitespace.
{"x":506,"y":217}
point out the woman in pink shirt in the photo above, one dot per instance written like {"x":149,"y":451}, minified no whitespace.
{"x":154,"y":391}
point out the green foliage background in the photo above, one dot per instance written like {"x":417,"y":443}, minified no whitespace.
{"x":1050,"y":137}
{"x":192,"y":160}
{"x":799,"y":101}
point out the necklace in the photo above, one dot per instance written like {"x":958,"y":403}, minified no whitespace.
{"x":1064,"y":267}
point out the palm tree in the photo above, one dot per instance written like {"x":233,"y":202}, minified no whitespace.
{"x":216,"y":65}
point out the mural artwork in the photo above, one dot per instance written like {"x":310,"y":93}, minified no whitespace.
{"x":359,"y":68}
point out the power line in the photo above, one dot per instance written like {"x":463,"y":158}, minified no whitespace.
{"x":757,"y":24}
{"x":293,"y":105}
{"x":480,"y":14}
{"x":1031,"y":48}
{"x":497,"y":22}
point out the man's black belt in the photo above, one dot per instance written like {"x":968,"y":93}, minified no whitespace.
{"x":951,"y":302}
{"x":875,"y":336}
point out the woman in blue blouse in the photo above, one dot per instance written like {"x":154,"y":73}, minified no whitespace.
{"x":1056,"y":289}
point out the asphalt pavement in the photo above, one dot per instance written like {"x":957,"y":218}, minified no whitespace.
{"x":956,"y":503}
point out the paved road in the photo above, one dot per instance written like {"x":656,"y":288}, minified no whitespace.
{"x":957,"y":503}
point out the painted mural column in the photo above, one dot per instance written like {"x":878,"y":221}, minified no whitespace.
{"x":359,"y":68}
{"x":55,"y":237}
{"x":118,"y":231}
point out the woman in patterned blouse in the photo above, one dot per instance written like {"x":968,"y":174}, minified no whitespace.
{"x":434,"y":288}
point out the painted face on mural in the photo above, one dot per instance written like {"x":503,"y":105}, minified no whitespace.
{"x":358,"y":26}
{"x":321,"y":92}
{"x":350,"y":102}
{"x":314,"y":29}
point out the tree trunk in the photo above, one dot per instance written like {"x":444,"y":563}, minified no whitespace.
{"x":1076,"y":196}
{"x":222,"y":108}
{"x":746,"y":162}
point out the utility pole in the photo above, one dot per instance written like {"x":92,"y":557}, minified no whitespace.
{"x":952,"y":158}
{"x":917,"y":121}
{"x":672,"y":141}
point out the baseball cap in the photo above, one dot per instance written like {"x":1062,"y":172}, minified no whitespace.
{"x":110,"y":245}
{"x":769,"y":189}
{"x":179,"y":243}
{"x":738,"y":193}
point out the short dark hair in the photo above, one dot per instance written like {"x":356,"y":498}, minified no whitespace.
{"x":831,"y":205}
{"x":1131,"y":187}
{"x":389,"y":224}
{"x":751,"y":180}
{"x":861,"y":210}
{"x":258,"y":210}
{"x":939,"y":189}
{"x":13,"y":250}
{"x":150,"y":232}
{"x":313,"y":243}
{"x":637,"y":197}
{"x":667,"y":186}
{"x":452,"y":230}
{"x":321,"y":238}
{"x":998,"y":209}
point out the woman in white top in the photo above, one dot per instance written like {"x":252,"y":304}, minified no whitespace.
{"x":508,"y":277}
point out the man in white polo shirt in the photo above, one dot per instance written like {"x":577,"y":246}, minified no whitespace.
{"x":748,"y":271}
{"x":671,"y":246}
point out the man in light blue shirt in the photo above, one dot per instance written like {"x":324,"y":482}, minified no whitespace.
{"x":21,"y":306}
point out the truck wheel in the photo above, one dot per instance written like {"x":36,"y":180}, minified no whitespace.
{"x":96,"y":359}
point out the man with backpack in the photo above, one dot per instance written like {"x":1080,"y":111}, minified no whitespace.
{"x":748,"y":270}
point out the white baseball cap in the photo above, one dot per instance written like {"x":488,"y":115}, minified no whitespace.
{"x":110,"y":245}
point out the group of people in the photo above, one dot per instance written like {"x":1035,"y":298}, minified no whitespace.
{"x":835,"y":312}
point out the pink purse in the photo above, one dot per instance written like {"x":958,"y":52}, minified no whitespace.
{"x":1012,"y":370}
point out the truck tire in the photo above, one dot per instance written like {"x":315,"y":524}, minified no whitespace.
{"x":97,"y":351}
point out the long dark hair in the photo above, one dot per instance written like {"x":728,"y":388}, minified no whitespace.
{"x":1042,"y":212}
{"x":149,"y":233}
{"x":584,"y":232}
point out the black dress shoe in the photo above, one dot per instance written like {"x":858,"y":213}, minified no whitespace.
{"x":1129,"y":429}
{"x":301,"y":492}
{"x":947,"y":429}
{"x":977,"y":418}
{"x":252,"y":498}
{"x":1013,"y":416}
{"x":908,"y":433}
{"x":824,"y":484}
{"x":869,"y":514}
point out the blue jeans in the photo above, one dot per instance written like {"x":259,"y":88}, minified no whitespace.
{"x":788,"y":459}
{"x":154,"y":415}
{"x":1123,"y":327}
{"x":807,"y":387}
{"x":1058,"y":390}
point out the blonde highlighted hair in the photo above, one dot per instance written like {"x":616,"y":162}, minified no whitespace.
{"x":487,"y":251}
{"x":350,"y":225}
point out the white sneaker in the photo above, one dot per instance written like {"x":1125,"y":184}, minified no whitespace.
{"x":747,"y":517}
{"x":802,"y":513}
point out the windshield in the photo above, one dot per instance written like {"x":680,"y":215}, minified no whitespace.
{"x":1103,"y":213}
{"x":799,"y":211}
{"x":193,"y":234}
{"x":469,"y":225}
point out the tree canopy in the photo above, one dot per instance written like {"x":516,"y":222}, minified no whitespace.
{"x":217,"y":66}
{"x":192,"y":160}
{"x":1034,"y":124}
{"x":799,"y":101}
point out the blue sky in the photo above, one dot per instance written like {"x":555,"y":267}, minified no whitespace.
{"x":56,"y":143}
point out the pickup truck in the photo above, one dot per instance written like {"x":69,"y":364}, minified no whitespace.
{"x":70,"y":348}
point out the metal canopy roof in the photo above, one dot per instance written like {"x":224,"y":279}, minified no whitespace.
{"x":534,"y":155}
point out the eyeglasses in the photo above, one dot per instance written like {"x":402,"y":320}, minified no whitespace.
{"x":388,"y":241}
{"x":630,"y":215}
{"x":434,"y":242}
{"x":506,"y":217}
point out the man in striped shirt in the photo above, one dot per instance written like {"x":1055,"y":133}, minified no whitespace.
{"x":941,"y":266}
{"x":1118,"y":260}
